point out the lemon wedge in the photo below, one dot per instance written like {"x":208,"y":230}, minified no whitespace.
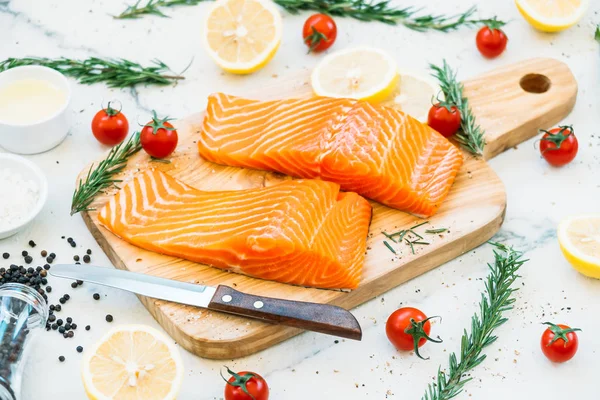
{"x":554,"y":15}
{"x":133,"y":362}
{"x":358,"y":73}
{"x":242,"y":36}
{"x":414,"y":93}
{"x":579,"y":239}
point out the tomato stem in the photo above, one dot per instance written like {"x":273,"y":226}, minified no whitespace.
{"x":314,"y":39}
{"x":239,"y":380}
{"x":111,"y":112}
{"x":417,"y":331}
{"x":557,"y":138}
{"x":494,"y":24}
{"x":448,"y":105}
{"x":158,"y":123}
{"x":559,"y":333}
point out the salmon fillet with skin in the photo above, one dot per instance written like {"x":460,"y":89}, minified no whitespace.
{"x":303,"y":232}
{"x":376,"y":151}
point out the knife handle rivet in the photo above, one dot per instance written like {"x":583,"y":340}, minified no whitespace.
{"x":258,"y":304}
{"x":227,"y":298}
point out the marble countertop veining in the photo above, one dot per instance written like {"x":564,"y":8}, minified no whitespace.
{"x":314,"y":365}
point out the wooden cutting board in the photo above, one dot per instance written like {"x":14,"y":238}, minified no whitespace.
{"x":472,"y":213}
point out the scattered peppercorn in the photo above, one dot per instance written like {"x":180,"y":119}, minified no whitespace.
{"x":24,"y":253}
{"x":87,"y":327}
{"x":79,"y":282}
{"x":61,"y":358}
{"x":58,"y":307}
{"x":67,"y":326}
{"x":62,"y":300}
{"x":73,"y":326}
{"x":66,"y":297}
{"x":109,"y":318}
{"x":46,"y":267}
{"x":76,"y":257}
{"x":74,"y":285}
{"x":73,"y":244}
{"x":96,"y":296}
{"x":49,"y":260}
{"x":28,"y":259}
{"x":70,"y":334}
{"x":52,"y":255}
{"x":44,"y":253}
{"x":61,"y":329}
{"x":59,"y":322}
{"x":69,"y":319}
{"x":86,"y":259}
{"x":5,"y":255}
{"x":52,"y":318}
{"x":89,"y":251}
{"x":79,"y":349}
{"x":54,"y":327}
{"x":32,"y":243}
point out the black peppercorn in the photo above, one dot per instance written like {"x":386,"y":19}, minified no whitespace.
{"x":61,"y":358}
{"x":70,"y":334}
{"x":58,"y":307}
{"x":52,"y":318}
{"x":32,"y":243}
{"x":109,"y":318}
{"x":49,"y":260}
{"x":86,"y":259}
{"x":61,"y":329}
{"x":89,"y":251}
{"x":67,"y":326}
{"x":54,"y":327}
{"x":59,"y":322}
{"x":65,"y":335}
{"x":74,"y":285}
{"x":73,"y":244}
{"x":52,"y":308}
{"x":79,"y":349}
{"x":5,"y":255}
{"x":62,"y":300}
{"x":66,"y":297}
{"x":76,"y":257}
{"x":24,"y":253}
{"x":46,"y":267}
{"x":79,"y":282}
{"x":96,"y":296}
{"x":87,"y":328}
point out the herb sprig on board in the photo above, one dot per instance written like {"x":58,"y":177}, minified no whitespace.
{"x":118,"y":73}
{"x":410,"y":237}
{"x":153,"y":7}
{"x":494,"y":302}
{"x":470,"y":135}
{"x":101,"y":177}
{"x":363,"y":10}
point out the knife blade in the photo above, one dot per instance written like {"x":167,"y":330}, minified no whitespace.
{"x":323,"y":318}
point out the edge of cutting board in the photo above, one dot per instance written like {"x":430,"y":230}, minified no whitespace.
{"x":476,"y":185}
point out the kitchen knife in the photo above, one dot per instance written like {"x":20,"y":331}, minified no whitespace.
{"x":323,"y":318}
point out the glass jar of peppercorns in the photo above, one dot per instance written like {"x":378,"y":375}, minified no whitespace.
{"x":23,"y":313}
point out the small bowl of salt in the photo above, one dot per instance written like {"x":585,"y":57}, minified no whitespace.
{"x":23,"y":193}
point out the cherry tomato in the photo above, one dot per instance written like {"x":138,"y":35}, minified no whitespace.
{"x":246,"y":385}
{"x":491,"y":41}
{"x":158,"y":137}
{"x":559,"y":342}
{"x":408,"y":328}
{"x":110,"y":126}
{"x":559,"y":145}
{"x":319,"y":32}
{"x":444,"y":118}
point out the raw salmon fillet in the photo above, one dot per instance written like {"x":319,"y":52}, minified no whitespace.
{"x":304,"y":232}
{"x":378,"y":152}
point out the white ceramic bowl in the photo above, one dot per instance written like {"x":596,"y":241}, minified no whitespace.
{"x":42,"y":135}
{"x":30,"y":171}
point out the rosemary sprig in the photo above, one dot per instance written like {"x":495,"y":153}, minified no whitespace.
{"x":152,"y":7}
{"x":470,"y":136}
{"x":363,"y":10}
{"x":494,"y":302}
{"x":116,"y":73}
{"x":409,"y":236}
{"x":434,"y":231}
{"x":101,"y":177}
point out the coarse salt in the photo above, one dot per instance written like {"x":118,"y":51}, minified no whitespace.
{"x":18,"y":198}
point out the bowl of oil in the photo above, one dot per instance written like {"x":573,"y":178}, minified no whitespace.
{"x":34,"y":104}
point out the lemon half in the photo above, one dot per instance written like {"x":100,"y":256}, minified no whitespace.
{"x":242,"y":36}
{"x":552,"y":16}
{"x":414,"y":93}
{"x":579,"y":239}
{"x":133,"y":362}
{"x":358,"y":73}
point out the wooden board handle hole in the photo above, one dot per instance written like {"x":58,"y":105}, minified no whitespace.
{"x":535,"y":83}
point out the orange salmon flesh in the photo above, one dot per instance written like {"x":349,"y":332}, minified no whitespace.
{"x":303,"y":232}
{"x":378,"y":152}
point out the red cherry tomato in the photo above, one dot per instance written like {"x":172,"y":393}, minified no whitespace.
{"x":408,"y":328}
{"x":246,"y":385}
{"x":110,"y":126}
{"x":559,"y":146}
{"x":444,"y":119}
{"x":319,"y":32}
{"x":559,"y":342}
{"x":491,"y":41}
{"x":158,"y":137}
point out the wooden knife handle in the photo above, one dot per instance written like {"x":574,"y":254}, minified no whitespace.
{"x":322,"y":318}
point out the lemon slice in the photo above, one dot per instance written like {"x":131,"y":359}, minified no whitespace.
{"x":359,"y":73}
{"x":414,"y":93}
{"x":133,"y":362}
{"x":242,"y":36}
{"x":554,"y":15}
{"x":579,"y":239}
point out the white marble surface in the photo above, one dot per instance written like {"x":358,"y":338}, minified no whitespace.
{"x":312,"y":365}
